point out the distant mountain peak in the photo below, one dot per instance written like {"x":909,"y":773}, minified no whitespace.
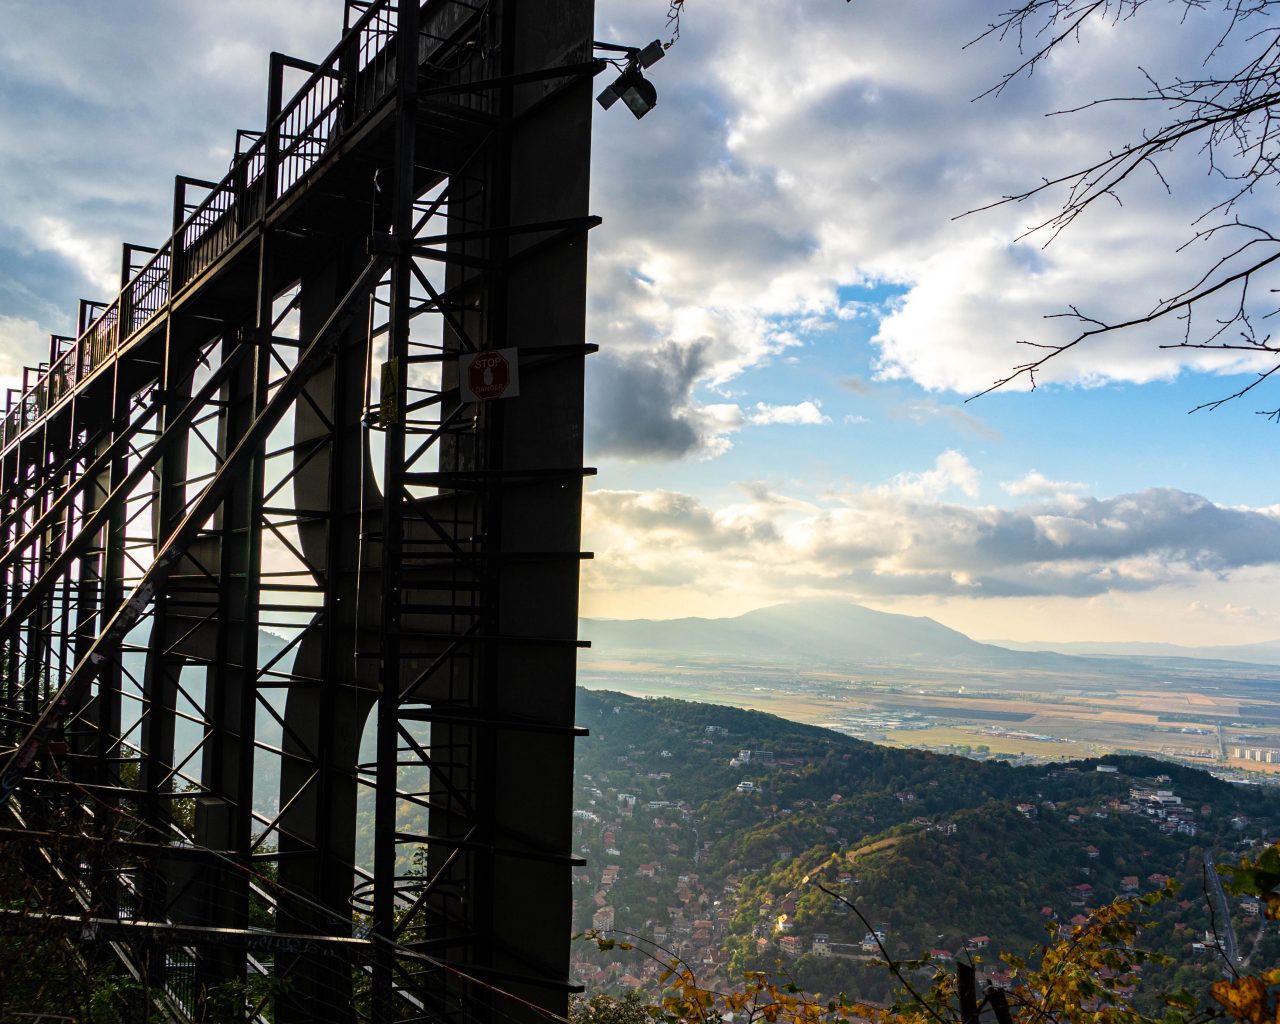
{"x":825,"y":630}
{"x":833,"y":632}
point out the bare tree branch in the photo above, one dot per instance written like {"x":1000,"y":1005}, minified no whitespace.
{"x":1233,"y":119}
{"x":1183,"y":302}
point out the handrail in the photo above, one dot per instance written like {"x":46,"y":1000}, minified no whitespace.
{"x":224,"y":208}
{"x":326,"y":69}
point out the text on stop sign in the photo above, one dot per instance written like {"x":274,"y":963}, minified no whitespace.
{"x":483,"y":376}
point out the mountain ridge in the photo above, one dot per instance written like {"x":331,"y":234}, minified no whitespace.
{"x":834,"y":631}
{"x":1264,"y":652}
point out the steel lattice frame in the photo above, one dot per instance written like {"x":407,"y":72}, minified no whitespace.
{"x":270,"y":585}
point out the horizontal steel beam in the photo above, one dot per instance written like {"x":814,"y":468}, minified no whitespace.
{"x":109,"y":929}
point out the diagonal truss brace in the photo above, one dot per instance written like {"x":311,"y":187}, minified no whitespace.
{"x":70,"y":694}
{"x":146,"y":461}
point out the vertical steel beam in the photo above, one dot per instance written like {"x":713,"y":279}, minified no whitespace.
{"x":325,"y":719}
{"x":224,"y":816}
{"x":389,"y":670}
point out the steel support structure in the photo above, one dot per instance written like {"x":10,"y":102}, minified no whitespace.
{"x":288,"y":629}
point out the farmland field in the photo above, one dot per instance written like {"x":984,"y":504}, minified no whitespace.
{"x":1202,"y":718}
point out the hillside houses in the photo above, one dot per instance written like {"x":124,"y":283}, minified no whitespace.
{"x":1083,"y":891}
{"x":677,"y":855}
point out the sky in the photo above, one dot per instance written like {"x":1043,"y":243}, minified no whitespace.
{"x":790,"y":308}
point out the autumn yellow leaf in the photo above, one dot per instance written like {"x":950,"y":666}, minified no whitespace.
{"x":1244,"y":999}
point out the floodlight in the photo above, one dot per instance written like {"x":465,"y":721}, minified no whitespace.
{"x":609,"y":96}
{"x":633,"y":89}
{"x":639,"y":95}
{"x":631,"y":86}
{"x":651,"y":54}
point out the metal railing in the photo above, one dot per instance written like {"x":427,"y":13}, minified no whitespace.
{"x":340,"y":92}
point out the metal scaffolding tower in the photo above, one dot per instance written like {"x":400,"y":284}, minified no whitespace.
{"x":291,"y":535}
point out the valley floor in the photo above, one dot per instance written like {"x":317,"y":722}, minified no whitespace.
{"x":1225,"y":720}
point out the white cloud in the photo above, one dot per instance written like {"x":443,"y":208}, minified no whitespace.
{"x":1227,"y":611}
{"x":929,"y":411}
{"x":904,"y":540}
{"x":796,"y":148}
{"x":807,"y":412}
{"x":93,"y":138}
{"x":88,"y":255}
{"x":951,"y":470}
{"x":810,"y":145}
{"x":1036,"y":485}
{"x":16,"y":334}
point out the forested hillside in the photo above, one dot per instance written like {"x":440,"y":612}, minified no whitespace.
{"x":703,"y":847}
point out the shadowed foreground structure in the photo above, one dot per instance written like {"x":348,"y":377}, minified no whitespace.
{"x":273,"y":584}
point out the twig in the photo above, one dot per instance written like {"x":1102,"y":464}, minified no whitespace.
{"x":892,"y":964}
{"x":1213,"y":920}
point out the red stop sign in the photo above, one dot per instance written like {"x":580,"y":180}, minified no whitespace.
{"x":489,"y":375}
